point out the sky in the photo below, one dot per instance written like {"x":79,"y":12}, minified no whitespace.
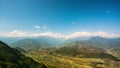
{"x":66,"y":17}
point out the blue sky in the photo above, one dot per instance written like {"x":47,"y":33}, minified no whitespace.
{"x":60,"y":16}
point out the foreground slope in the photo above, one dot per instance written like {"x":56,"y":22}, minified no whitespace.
{"x":12,"y":58}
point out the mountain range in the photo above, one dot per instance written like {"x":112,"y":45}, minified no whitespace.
{"x":48,"y":49}
{"x":100,"y":42}
{"x":38,"y":42}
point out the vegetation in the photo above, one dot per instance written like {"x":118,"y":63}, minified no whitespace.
{"x":84,"y":53}
{"x":12,"y":58}
{"x":103,"y":42}
{"x":54,"y":60}
{"x":36,"y":43}
{"x":96,"y":52}
{"x":21,"y":50}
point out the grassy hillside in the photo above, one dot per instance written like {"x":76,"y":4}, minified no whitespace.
{"x":12,"y":58}
{"x":54,"y":60}
{"x":84,"y":53}
{"x":96,"y":52}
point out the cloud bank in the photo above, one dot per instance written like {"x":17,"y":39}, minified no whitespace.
{"x":17,"y":33}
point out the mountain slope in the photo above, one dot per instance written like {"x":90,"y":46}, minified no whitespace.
{"x":84,"y":53}
{"x":36,"y":43}
{"x":45,"y":41}
{"x":49,"y":41}
{"x":98,"y":42}
{"x":104,"y":42}
{"x":91,"y":48}
{"x":10,"y":40}
{"x":21,"y":50}
{"x":12,"y":58}
{"x":27,"y":44}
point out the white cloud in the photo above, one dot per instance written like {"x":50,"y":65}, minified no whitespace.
{"x":78,"y":34}
{"x":17,"y":33}
{"x":91,"y":34}
{"x":44,"y":27}
{"x":37,"y":27}
{"x":48,"y":33}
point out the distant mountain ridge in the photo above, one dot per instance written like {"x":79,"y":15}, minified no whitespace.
{"x":10,"y":40}
{"x":46,"y":41}
{"x":104,"y":42}
{"x":38,"y":42}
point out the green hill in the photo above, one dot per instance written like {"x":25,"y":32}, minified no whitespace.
{"x":12,"y":58}
{"x":84,"y":52}
{"x":26,"y":44}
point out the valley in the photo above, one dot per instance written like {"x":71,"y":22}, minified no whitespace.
{"x":62,"y":61}
{"x":95,"y":52}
